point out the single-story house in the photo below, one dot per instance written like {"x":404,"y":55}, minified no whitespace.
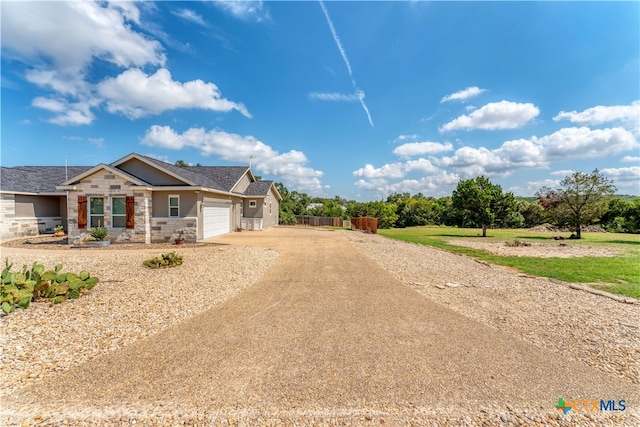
{"x":137,"y":198}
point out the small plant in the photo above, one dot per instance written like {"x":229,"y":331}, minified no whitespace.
{"x":18,"y":289}
{"x":99,"y":233}
{"x":58,"y":228}
{"x":165,"y":260}
{"x":517,"y":243}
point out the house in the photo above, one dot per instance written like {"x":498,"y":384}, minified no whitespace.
{"x":137,"y":198}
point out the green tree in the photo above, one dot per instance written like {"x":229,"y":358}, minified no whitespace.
{"x":293,"y":203}
{"x":482,"y":203}
{"x":532,"y":213}
{"x":183,"y":164}
{"x":384,"y":211}
{"x":582,"y":199}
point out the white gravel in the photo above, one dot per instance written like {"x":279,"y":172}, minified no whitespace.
{"x":132,"y":302}
{"x":129,"y":303}
{"x":577,"y":325}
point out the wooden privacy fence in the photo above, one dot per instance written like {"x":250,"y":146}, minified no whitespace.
{"x":319,"y":221}
{"x":365,"y":223}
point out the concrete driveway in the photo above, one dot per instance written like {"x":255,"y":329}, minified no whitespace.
{"x":328,"y":334}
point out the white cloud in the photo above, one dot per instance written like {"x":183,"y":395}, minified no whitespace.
{"x":631,"y":159}
{"x":396,"y":170}
{"x":411,"y":149}
{"x":49,"y":104}
{"x":71,"y":34}
{"x":441,"y":182}
{"x":335,"y":96}
{"x":562,"y":172}
{"x":63,"y":84}
{"x":392,"y":170}
{"x":405,"y":138}
{"x":532,"y":187}
{"x":463,"y":95}
{"x":189,"y":15}
{"x":136,"y":94}
{"x":67,"y":113}
{"x":581,"y":143}
{"x":246,"y":10}
{"x":626,"y":180}
{"x":495,"y":115}
{"x":290,"y":167}
{"x":604,"y":114}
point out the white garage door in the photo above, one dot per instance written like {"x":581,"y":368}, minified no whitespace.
{"x":216,"y":220}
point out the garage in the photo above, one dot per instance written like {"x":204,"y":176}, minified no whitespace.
{"x":215,"y":220}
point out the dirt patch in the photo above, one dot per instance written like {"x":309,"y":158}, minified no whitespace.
{"x":538,"y":250}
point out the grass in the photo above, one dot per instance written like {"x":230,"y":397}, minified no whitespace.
{"x":619,"y":274}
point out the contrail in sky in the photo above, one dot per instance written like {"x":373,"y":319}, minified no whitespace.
{"x":359,"y":93}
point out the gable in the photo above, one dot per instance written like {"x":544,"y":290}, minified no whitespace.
{"x":148,"y":173}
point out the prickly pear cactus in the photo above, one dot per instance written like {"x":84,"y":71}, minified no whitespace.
{"x":19,"y":288}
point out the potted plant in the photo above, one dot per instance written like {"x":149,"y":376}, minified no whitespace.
{"x":98,"y":236}
{"x":58,"y":231}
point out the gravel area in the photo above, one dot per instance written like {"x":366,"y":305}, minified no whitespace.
{"x":540,"y":250}
{"x":129,"y":303}
{"x":576,"y":324}
{"x":339,"y":342}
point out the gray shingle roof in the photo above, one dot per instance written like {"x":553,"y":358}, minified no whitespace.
{"x":217,"y":177}
{"x":37,"y":179}
{"x":225,"y":176}
{"x":258,"y":188}
{"x":43,"y":179}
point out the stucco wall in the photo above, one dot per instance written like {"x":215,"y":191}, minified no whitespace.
{"x":29,"y":206}
{"x":147,"y":173}
{"x":12,"y":225}
{"x":242,"y":185}
{"x":188,"y":203}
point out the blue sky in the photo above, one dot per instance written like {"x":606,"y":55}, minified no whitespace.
{"x":357,"y":99}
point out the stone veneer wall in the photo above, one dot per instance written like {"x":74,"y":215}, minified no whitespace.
{"x":11,"y":227}
{"x":107,"y":185}
{"x":169,"y":229}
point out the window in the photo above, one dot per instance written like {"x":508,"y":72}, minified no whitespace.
{"x":174,"y":205}
{"x":241,"y":210}
{"x":269,"y":208}
{"x":252,"y":203}
{"x":96,"y":212}
{"x":118,"y":212}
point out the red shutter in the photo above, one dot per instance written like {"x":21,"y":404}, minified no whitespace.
{"x":82,"y":212}
{"x":131,"y":212}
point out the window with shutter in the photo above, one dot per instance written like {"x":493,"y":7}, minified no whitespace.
{"x":118,"y":212}
{"x":131,"y":212}
{"x":82,"y":212}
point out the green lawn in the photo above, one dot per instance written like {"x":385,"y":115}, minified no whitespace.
{"x":618,"y":274}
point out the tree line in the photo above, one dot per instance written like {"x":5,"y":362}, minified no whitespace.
{"x":582,"y":199}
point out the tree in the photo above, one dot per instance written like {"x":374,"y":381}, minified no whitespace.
{"x":292,"y":204}
{"x":482,"y":203}
{"x":183,"y":164}
{"x":581,"y":199}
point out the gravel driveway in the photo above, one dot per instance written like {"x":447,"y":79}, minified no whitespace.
{"x":327,"y":335}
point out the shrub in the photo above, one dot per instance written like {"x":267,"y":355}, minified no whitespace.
{"x":165,"y":260}
{"x":19,"y":289}
{"x":99,"y":233}
{"x":517,"y":243}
